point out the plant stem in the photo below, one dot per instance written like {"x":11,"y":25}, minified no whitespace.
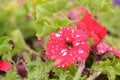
{"x":81,"y":65}
{"x":31,"y":50}
{"x":94,"y":75}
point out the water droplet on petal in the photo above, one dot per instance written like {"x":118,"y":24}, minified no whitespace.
{"x":63,"y":50}
{"x":67,"y":38}
{"x":80,"y":51}
{"x":77,"y":35}
{"x":77,"y":44}
{"x":82,"y":42}
{"x":65,"y":53}
{"x":63,"y":65}
{"x":57,"y":35}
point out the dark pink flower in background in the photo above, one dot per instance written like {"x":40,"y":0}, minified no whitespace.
{"x":21,"y":69}
{"x":93,"y":28}
{"x":5,"y":66}
{"x":22,"y":2}
{"x":72,"y":15}
{"x":83,"y":10}
{"x":11,"y":43}
{"x":68,"y":46}
{"x":103,"y":48}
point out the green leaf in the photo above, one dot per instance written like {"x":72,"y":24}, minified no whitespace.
{"x":106,"y":68}
{"x":37,"y":2}
{"x":112,"y":41}
{"x":96,"y":5}
{"x":47,"y":17}
{"x":110,"y":72}
{"x":117,"y":68}
{"x":39,"y":70}
{"x":63,"y":75}
{"x":18,"y":39}
{"x":60,"y":22}
{"x":4,"y":45}
{"x":91,"y":41}
{"x":43,"y":29}
{"x":102,"y":65}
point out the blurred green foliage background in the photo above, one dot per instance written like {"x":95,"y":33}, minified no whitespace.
{"x":38,"y":18}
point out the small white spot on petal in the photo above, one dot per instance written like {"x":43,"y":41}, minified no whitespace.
{"x":57,"y":35}
{"x":82,"y":42}
{"x":63,"y":65}
{"x":63,"y":50}
{"x":67,"y":38}
{"x":80,"y":51}
{"x":111,"y":49}
{"x":77,"y":35}
{"x":52,"y":50}
{"x":73,"y":58}
{"x":60,"y":31}
{"x":102,"y":51}
{"x":65,"y":53}
{"x":72,"y":31}
{"x":77,"y":44}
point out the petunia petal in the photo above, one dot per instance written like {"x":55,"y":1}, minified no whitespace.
{"x":68,"y":46}
{"x":5,"y":66}
{"x":72,"y":15}
{"x":93,"y":28}
{"x":104,"y":48}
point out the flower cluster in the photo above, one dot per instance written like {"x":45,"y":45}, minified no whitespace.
{"x":70,"y":45}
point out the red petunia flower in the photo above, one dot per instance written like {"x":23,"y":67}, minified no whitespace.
{"x":67,"y":46}
{"x":5,"y":66}
{"x":94,"y":29}
{"x":104,"y":48}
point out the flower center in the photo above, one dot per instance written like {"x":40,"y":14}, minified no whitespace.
{"x":69,"y":45}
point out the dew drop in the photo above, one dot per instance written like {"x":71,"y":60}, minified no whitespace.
{"x":65,"y":53}
{"x":72,"y":31}
{"x":77,"y":35}
{"x":82,"y":42}
{"x":73,"y":58}
{"x":77,"y":44}
{"x":63,"y":65}
{"x":63,"y":50}
{"x":67,"y":38}
{"x":57,"y":35}
{"x":80,"y":51}
{"x":102,"y":51}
